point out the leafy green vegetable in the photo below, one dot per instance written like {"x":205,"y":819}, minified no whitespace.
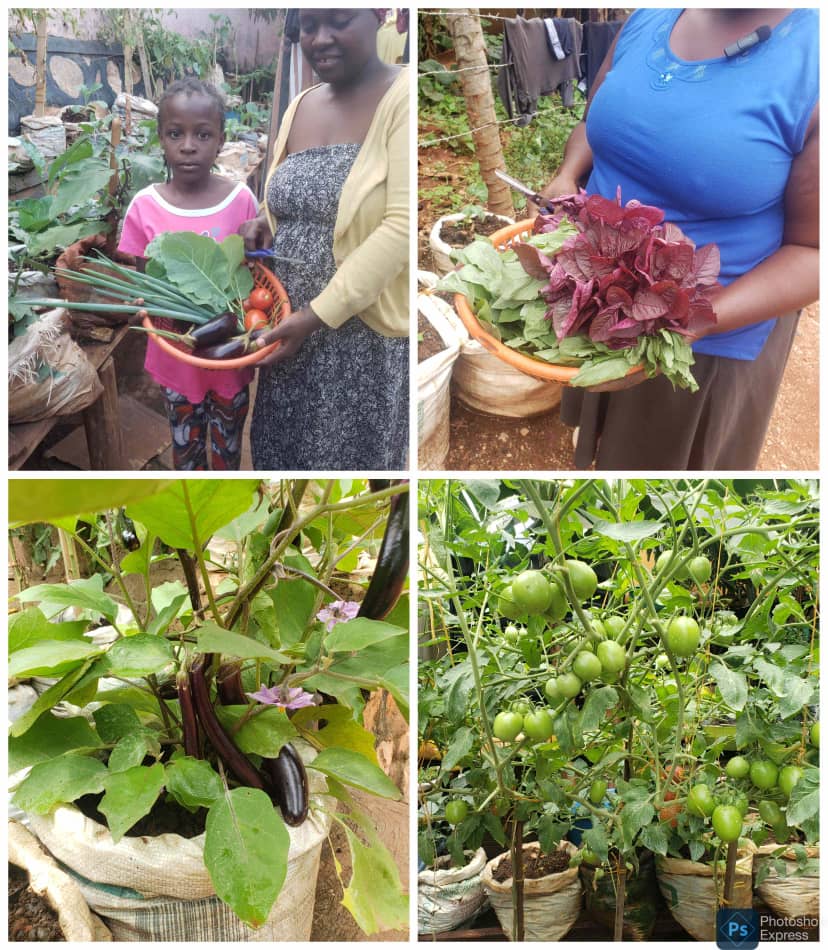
{"x":508,"y":303}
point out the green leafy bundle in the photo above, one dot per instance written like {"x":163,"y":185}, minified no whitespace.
{"x":508,"y":304}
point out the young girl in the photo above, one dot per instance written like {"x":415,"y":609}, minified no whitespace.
{"x":191,"y":129}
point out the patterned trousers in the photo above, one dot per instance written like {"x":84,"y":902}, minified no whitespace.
{"x":189,"y":422}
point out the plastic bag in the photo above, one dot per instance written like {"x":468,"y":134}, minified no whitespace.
{"x":49,"y":374}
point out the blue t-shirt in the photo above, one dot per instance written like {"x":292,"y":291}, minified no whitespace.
{"x":709,"y":142}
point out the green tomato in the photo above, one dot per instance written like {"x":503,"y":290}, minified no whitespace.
{"x":551,"y":690}
{"x":700,"y":569}
{"x":683,"y":636}
{"x":661,"y":661}
{"x":532,"y":592}
{"x":788,"y":778}
{"x":590,"y":857}
{"x":700,"y":801}
{"x":771,"y":813}
{"x":512,"y":633}
{"x":612,"y":656}
{"x":815,"y":734}
{"x":456,"y":811}
{"x":508,"y":606}
{"x":559,"y":605}
{"x":598,"y":629}
{"x":597,"y":791}
{"x":569,"y":685}
{"x":763,"y":774}
{"x":727,"y":822}
{"x":680,"y":574}
{"x":584,"y":579}
{"x":507,"y":725}
{"x":538,"y":724}
{"x":737,"y":767}
{"x":587,"y":666}
{"x":614,"y":626}
{"x":521,"y":706}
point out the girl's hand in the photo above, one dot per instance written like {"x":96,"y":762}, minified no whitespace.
{"x":291,"y":333}
{"x":257,"y":234}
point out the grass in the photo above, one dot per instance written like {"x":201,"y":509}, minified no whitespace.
{"x":532,"y":153}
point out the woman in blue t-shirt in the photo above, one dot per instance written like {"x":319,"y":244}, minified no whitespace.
{"x":727,"y":146}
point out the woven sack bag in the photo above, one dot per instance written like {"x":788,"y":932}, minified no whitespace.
{"x":447,"y":897}
{"x":693,"y":890}
{"x":551,"y":904}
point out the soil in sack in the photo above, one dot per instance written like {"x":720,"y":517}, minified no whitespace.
{"x":429,"y":340}
{"x":534,"y":866}
{"x":461,"y":233}
{"x":165,"y":818}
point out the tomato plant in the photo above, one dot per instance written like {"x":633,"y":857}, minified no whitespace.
{"x":664,"y":687}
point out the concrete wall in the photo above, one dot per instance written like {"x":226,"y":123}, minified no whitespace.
{"x":255,"y":42}
{"x":76,"y":57}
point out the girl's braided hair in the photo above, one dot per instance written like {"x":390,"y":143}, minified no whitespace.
{"x":190,"y":86}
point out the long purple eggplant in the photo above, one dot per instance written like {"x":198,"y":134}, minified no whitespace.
{"x":392,"y":564}
{"x":189,"y":721}
{"x":235,"y":760}
{"x":288,"y":784}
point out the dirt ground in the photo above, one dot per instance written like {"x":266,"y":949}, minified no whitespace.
{"x":481,"y":442}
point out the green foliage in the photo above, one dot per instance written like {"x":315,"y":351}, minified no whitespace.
{"x":132,"y":748}
{"x":646,"y":732}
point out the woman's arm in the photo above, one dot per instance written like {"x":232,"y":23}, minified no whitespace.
{"x":788,"y":279}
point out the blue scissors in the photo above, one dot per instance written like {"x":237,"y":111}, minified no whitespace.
{"x":265,"y":252}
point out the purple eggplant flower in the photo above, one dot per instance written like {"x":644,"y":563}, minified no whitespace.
{"x":339,"y":611}
{"x":290,"y":698}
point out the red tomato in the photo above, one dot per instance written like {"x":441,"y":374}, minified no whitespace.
{"x":255,"y":319}
{"x":261,"y":298}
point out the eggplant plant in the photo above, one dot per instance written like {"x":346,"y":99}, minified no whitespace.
{"x":206,"y":693}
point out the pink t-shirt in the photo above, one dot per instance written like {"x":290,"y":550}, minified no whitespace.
{"x":149,"y":215}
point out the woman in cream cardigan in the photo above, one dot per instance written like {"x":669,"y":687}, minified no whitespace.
{"x":334,"y":395}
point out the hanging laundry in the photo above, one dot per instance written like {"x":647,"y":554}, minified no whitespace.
{"x":598,"y":38}
{"x":531,"y":70}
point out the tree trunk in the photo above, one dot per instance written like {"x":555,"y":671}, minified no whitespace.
{"x":41,"y":23}
{"x":470,"y":51}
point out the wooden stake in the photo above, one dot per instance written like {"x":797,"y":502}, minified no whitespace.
{"x":518,"y":926}
{"x":730,"y":873}
{"x":475,"y":79}
{"x":620,"y":898}
{"x":41,"y":22}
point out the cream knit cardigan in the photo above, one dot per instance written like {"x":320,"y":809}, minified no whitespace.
{"x":371,"y":235}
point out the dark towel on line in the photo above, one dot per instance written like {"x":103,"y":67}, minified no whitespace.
{"x":598,"y":38}
{"x":532,"y":72}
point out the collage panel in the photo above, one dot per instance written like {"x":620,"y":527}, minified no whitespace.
{"x":208,"y":704}
{"x":209,"y":239}
{"x":618,"y":239}
{"x":618,"y":727}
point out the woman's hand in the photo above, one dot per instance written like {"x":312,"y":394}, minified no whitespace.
{"x":290,"y":334}
{"x":559,"y":186}
{"x":257,"y":234}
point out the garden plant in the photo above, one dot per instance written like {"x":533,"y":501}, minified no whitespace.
{"x":628,"y":665}
{"x":232,"y":698}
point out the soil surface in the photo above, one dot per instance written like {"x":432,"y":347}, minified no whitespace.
{"x":429,"y":341}
{"x":461,"y":233}
{"x":534,"y":865}
{"x":30,"y":916}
